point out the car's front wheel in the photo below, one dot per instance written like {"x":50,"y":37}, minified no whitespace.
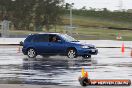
{"x":31,"y":53}
{"x":86,"y":56}
{"x":71,"y":53}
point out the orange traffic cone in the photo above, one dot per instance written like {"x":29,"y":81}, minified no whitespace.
{"x":86,"y":74}
{"x":123,"y":48}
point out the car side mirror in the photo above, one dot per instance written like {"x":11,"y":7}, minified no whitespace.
{"x":21,"y":43}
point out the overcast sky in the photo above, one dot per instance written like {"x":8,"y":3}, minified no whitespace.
{"x":110,"y":4}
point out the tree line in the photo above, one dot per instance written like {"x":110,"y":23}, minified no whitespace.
{"x":31,"y":14}
{"x":119,"y":16}
{"x":38,"y":14}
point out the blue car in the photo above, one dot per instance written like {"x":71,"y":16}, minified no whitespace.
{"x":47,"y":44}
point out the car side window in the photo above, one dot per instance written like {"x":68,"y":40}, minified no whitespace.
{"x":41,"y":38}
{"x":54,"y":38}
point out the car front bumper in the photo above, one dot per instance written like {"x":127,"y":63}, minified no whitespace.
{"x":88,"y":52}
{"x":24,"y":51}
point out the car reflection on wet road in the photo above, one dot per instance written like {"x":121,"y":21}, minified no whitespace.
{"x":17,"y":68}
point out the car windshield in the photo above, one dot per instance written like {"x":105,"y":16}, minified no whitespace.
{"x":68,"y":38}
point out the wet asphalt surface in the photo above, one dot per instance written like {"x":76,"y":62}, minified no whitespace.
{"x":15,"y":68}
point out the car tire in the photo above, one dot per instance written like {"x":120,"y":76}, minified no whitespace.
{"x":31,"y":53}
{"x":71,"y":53}
{"x":86,"y":56}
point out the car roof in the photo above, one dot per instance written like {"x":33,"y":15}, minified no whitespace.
{"x":46,"y":33}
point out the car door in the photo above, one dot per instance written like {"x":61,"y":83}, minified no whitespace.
{"x":42,"y":43}
{"x":57,"y":47}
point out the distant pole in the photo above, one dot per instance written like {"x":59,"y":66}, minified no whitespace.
{"x":70,"y":15}
{"x":71,"y":5}
{"x":120,"y":5}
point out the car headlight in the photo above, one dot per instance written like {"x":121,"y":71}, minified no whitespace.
{"x":85,"y":46}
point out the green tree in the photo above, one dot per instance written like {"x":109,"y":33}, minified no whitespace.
{"x":48,"y":13}
{"x":18,"y":12}
{"x":38,"y":12}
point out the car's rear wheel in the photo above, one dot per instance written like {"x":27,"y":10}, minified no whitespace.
{"x":71,"y":53}
{"x":86,"y":56}
{"x":31,"y":53}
